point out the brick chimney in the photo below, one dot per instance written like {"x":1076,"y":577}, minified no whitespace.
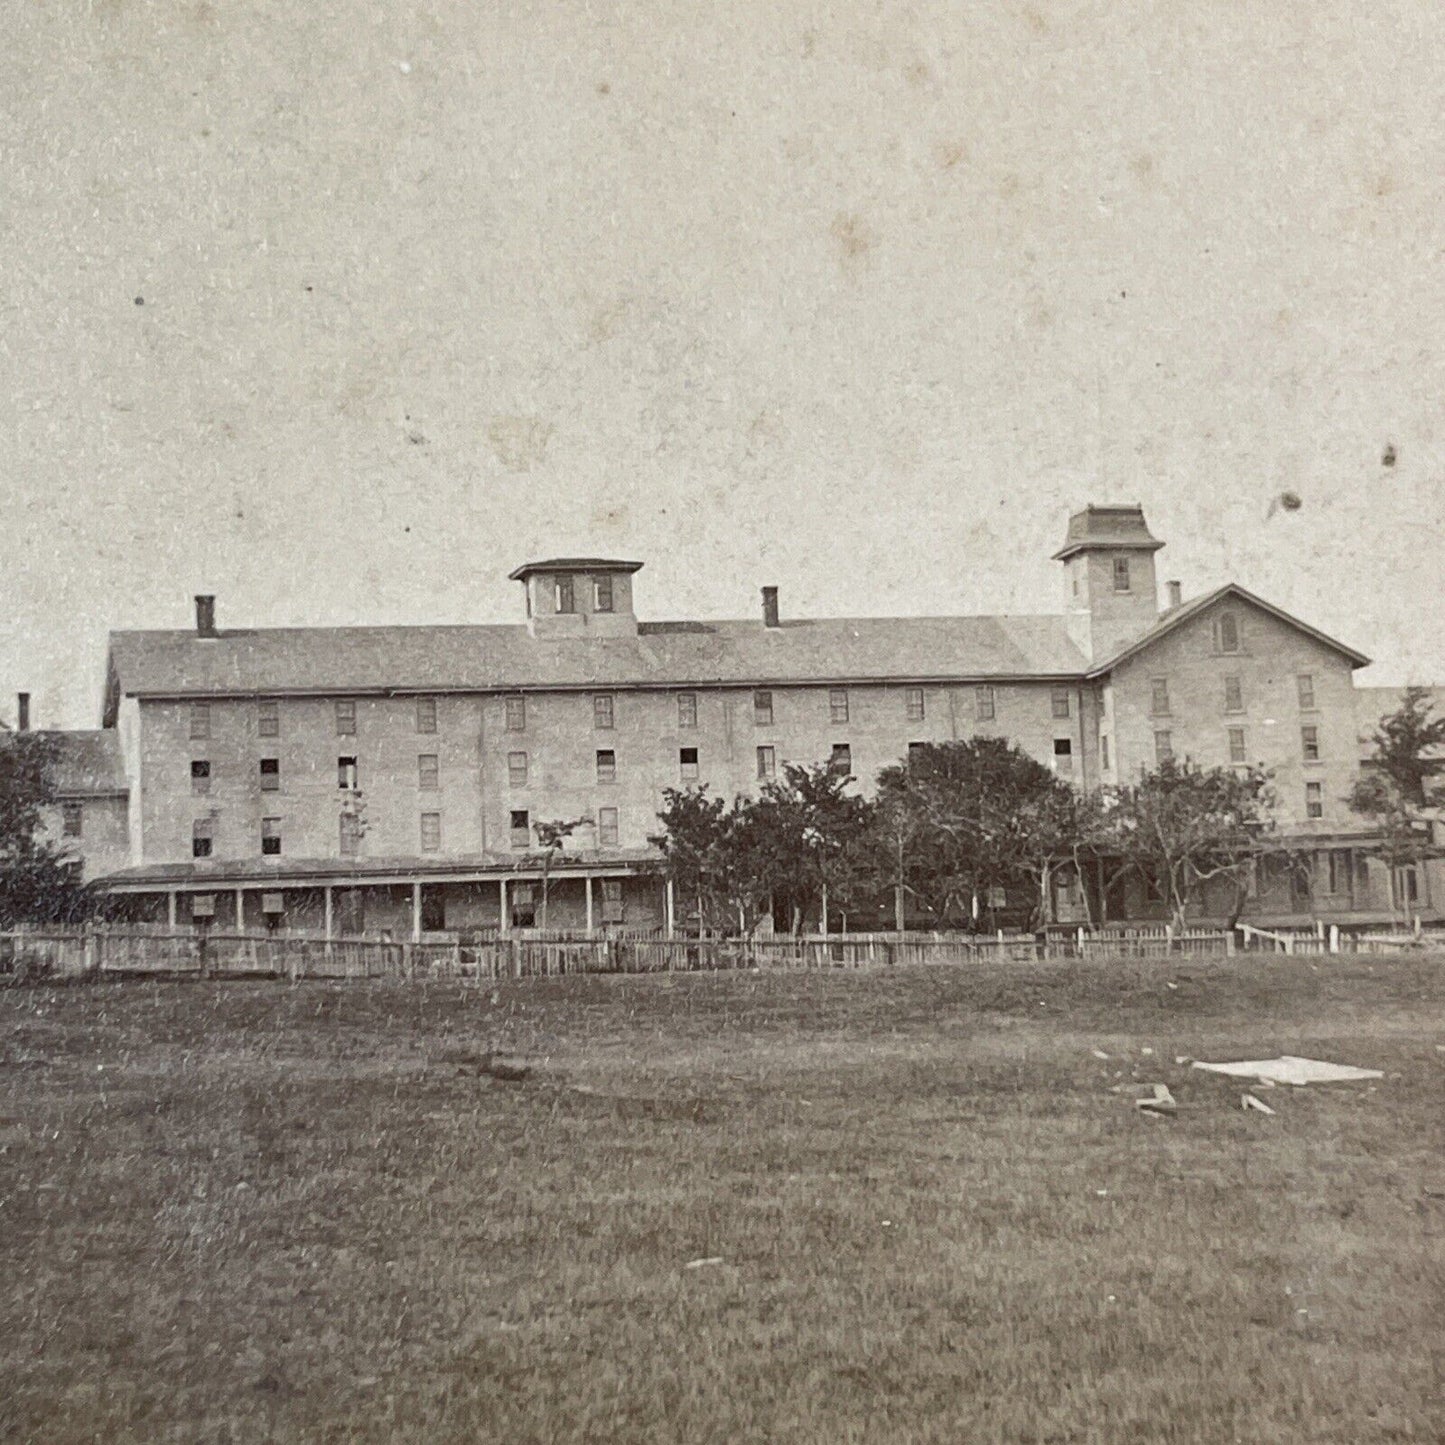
{"x":205,"y":615}
{"x":770,"y":607}
{"x":22,"y":712}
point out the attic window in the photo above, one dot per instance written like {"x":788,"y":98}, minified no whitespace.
{"x":1121,"y":574}
{"x":602,"y":600}
{"x":566,"y":599}
{"x":1226,"y":632}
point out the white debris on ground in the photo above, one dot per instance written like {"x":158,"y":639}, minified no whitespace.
{"x":1289,"y":1069}
{"x":1161,"y":1102}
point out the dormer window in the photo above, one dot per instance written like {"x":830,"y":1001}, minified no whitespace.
{"x":1121,"y":574}
{"x":566,"y":598}
{"x":602,"y":594}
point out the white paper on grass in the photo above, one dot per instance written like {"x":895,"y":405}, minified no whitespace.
{"x":1288,"y":1069}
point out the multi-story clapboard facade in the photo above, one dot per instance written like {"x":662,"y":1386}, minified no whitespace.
{"x":392,"y":779}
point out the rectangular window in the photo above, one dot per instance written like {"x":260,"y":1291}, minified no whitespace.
{"x":431,"y":832}
{"x":72,"y":816}
{"x":1121,"y":574}
{"x":1237,"y":753}
{"x":983,"y":701}
{"x":1060,"y":698}
{"x":1341,"y":871}
{"x":201,"y":838}
{"x":1314,"y":800}
{"x":606,"y":765}
{"x":838,"y":704}
{"x":516,"y":714}
{"x":767,"y":764}
{"x":270,"y":775}
{"x":200,"y":719}
{"x":517,"y":770}
{"x":1159,"y":696}
{"x":602,"y":710}
{"x":1063,"y":755}
{"x":345,"y":718}
{"x":763,"y":709}
{"x":268,"y":719}
{"x":428,"y":772}
{"x":426,"y":714}
{"x":916,"y":752}
{"x":1310,"y":744}
{"x":841,"y":759}
{"x":1163,"y":747}
{"x":612,"y":906}
{"x":200,"y":775}
{"x":607,"y":827}
{"x":1233,"y":695}
{"x":566,"y":600}
{"x":346,"y":775}
{"x":687,"y":764}
{"x":1226,"y":632}
{"x":1104,"y":750}
{"x":521,"y":828}
{"x":271,"y":837}
{"x":1306,"y":681}
{"x":1405,"y":886}
{"x":913,"y":704}
{"x":350,"y":835}
{"x":524,"y":905}
{"x":687,"y":709}
{"x":602,"y":595}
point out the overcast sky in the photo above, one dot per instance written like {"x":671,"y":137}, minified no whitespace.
{"x":342,"y":310}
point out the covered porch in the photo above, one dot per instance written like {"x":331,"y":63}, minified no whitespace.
{"x":397,"y":902}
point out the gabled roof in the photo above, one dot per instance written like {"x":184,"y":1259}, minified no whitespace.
{"x":1178,"y":616}
{"x":1113,"y":527}
{"x":572,"y":564}
{"x":87,"y":763}
{"x":328,"y":660}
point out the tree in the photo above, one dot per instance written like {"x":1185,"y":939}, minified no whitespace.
{"x":802,"y":840}
{"x":39,"y":882}
{"x":699,"y":844}
{"x":960,"y":818}
{"x":1399,"y":789}
{"x":1182,"y":825}
{"x":553,"y":836}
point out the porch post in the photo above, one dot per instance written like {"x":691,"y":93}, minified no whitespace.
{"x":669,"y":908}
{"x":587,"y":881}
{"x":171,"y":910}
{"x":416,"y":911}
{"x":327,"y":892}
{"x":825,"y":908}
{"x":240,"y":910}
{"x":503,"y":918}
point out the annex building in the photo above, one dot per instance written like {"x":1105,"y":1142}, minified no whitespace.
{"x":391,"y":779}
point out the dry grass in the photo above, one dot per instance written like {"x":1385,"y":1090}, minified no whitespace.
{"x":237,"y":1212}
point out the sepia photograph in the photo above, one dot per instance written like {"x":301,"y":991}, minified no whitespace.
{"x":722,"y":723}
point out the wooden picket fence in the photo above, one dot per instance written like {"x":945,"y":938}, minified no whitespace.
{"x":108,"y":952}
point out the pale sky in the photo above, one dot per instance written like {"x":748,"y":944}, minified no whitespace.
{"x":860,"y":300}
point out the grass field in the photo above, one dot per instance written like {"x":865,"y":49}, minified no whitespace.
{"x":236,"y":1212}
